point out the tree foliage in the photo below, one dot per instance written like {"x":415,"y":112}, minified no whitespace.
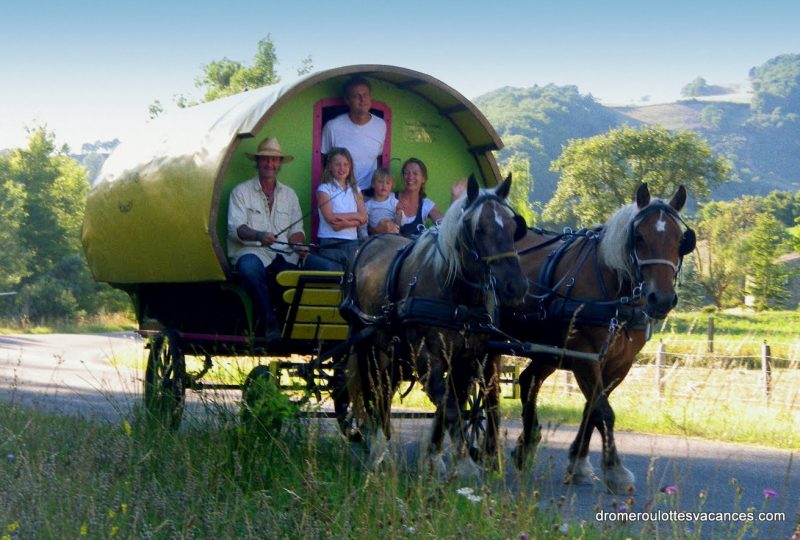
{"x":43,"y":196}
{"x":766,"y":280}
{"x":13,"y":256}
{"x":600,"y":174}
{"x":226,"y":77}
{"x":522,"y":184}
{"x":776,"y":87}
{"x":537,"y":122}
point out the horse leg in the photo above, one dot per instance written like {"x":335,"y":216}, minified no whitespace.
{"x":458,"y":386}
{"x":377,"y":410}
{"x":618,"y":479}
{"x":530,"y":382}
{"x":580,"y":470}
{"x":431,"y":376}
{"x":491,"y":384}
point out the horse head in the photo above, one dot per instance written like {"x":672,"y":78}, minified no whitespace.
{"x":482,"y":231}
{"x":657,"y":239}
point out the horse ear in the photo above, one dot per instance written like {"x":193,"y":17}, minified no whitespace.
{"x":642,"y":195}
{"x":688,"y":243}
{"x":679,"y":199}
{"x":473,"y":189}
{"x":504,"y":189}
{"x":522,"y":228}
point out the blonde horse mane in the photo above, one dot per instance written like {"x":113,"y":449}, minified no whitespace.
{"x":614,"y":242}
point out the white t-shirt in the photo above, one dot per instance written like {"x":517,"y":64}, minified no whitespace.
{"x":365,"y":144}
{"x":380,"y":210}
{"x":343,"y":201}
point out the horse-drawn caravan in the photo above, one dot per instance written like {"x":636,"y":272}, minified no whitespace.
{"x":156,"y":220}
{"x":427,"y":309}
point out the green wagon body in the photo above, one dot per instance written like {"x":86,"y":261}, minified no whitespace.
{"x":156,"y":219}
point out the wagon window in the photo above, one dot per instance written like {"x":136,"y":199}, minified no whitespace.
{"x":328,"y":109}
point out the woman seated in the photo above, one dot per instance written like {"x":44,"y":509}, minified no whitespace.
{"x":341,"y":208}
{"x":413,"y":207}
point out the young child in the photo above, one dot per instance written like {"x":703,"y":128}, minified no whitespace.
{"x":382,"y":207}
{"x":341,"y":208}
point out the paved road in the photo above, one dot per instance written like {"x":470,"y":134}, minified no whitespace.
{"x":73,"y":374}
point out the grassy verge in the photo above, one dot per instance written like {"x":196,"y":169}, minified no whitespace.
{"x":241,"y":480}
{"x":113,"y":322}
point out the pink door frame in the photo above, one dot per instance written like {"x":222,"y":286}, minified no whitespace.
{"x":316,"y":160}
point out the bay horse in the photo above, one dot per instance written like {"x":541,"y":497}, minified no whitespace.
{"x":595,"y":291}
{"x":424,"y":310}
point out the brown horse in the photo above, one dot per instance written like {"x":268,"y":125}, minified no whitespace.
{"x":424,"y":310}
{"x":594,"y":291}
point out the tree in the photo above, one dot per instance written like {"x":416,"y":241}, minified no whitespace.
{"x":600,"y":174}
{"x":721,"y":255}
{"x":56,"y":188}
{"x":695,"y":88}
{"x":521,"y":186}
{"x":766,"y":280}
{"x":776,"y":87}
{"x":14,"y":256}
{"x":227,"y":77}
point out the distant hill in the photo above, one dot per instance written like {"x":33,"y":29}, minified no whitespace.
{"x":760,"y":138}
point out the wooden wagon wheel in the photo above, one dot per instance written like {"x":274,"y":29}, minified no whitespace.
{"x":165,"y":380}
{"x":475,"y":421}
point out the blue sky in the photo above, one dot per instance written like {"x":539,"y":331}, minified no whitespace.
{"x":89,"y":69}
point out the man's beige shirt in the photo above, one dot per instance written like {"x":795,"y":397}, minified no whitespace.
{"x":248,"y":206}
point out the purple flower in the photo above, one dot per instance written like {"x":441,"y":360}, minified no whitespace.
{"x":523,"y":536}
{"x":770,"y":493}
{"x":622,"y":508}
{"x":669,"y":490}
{"x":10,"y":457}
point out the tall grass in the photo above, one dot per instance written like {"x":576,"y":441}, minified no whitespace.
{"x":235,"y":478}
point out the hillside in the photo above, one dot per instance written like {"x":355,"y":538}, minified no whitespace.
{"x":761,"y":138}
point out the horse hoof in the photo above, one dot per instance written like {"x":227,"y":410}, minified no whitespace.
{"x":438,"y":468}
{"x":619,"y":480}
{"x":521,"y":458}
{"x":580,"y":472}
{"x":468,"y":470}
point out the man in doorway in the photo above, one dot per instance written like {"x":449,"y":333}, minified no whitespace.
{"x":358,"y":130}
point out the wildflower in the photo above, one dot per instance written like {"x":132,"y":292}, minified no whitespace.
{"x":10,"y":457}
{"x":622,"y":508}
{"x":770,"y":493}
{"x":469,"y":493}
{"x":13,"y":526}
{"x":126,"y":427}
{"x":84,"y":529}
{"x":111,"y":514}
{"x":5,"y":537}
{"x":114,"y":531}
{"x":669,"y":490}
{"x":702,"y":494}
{"x":123,"y":508}
{"x":524,"y":536}
{"x":564,"y":529}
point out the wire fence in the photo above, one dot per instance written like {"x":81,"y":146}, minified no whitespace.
{"x":739,"y":371}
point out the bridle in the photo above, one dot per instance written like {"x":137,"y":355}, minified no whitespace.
{"x":686,"y":244}
{"x":467,"y":247}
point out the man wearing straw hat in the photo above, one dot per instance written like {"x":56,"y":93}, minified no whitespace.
{"x":265,"y":232}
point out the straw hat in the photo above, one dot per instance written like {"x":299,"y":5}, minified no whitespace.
{"x":270,"y":147}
